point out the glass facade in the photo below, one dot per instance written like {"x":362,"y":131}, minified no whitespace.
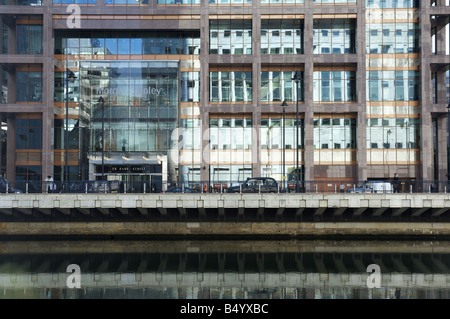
{"x":334,"y":86}
{"x":29,"y":38}
{"x":140,"y":108}
{"x":279,"y":2}
{"x":29,"y":86}
{"x":334,"y":36}
{"x":393,"y":133}
{"x":335,"y":140}
{"x":273,"y":146}
{"x":282,"y":36}
{"x":127,"y":43}
{"x":393,"y":82}
{"x":63,"y":2}
{"x":153,"y":81}
{"x":399,"y":37}
{"x":230,"y":86}
{"x":230,"y":143}
{"x":393,"y":85}
{"x":230,"y":36}
{"x":178,"y":2}
{"x":279,"y":86}
{"x":231,"y":2}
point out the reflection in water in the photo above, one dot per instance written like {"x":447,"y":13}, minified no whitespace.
{"x":224,"y":269}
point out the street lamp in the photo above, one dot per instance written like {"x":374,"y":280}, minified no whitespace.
{"x":284,"y":146}
{"x":102,"y":101}
{"x":70,"y":77}
{"x":296,"y":79}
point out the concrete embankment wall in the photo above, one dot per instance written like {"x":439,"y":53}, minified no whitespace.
{"x":291,"y":214}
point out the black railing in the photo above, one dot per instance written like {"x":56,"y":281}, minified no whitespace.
{"x":146,"y":187}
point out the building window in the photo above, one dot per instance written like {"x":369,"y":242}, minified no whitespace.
{"x":28,"y":134}
{"x":393,"y":85}
{"x":279,"y":86}
{"x":343,"y":39}
{"x":230,"y":86}
{"x":230,"y":143}
{"x":177,"y":2}
{"x":277,"y":36}
{"x":393,"y":38}
{"x":230,"y":36}
{"x":123,"y":42}
{"x":29,"y":38}
{"x":64,"y":2}
{"x":280,"y":2}
{"x":190,"y":86}
{"x":393,"y":133}
{"x":29,"y":86}
{"x":335,"y":86}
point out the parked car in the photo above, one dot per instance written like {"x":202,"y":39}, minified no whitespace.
{"x":4,"y":182}
{"x":372,"y":187}
{"x":178,"y":189}
{"x":256,"y":185}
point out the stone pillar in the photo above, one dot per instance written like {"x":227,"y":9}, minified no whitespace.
{"x":441,"y":132}
{"x":204,"y":99}
{"x":361,"y":153}
{"x":11,"y":147}
{"x":256,"y":89}
{"x":309,"y":91}
{"x":426,"y":138}
{"x":47,"y":101}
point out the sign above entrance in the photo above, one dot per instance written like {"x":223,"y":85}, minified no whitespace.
{"x":139,"y":91}
{"x":129,"y":169}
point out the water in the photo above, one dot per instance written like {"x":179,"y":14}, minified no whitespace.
{"x":234,"y":269}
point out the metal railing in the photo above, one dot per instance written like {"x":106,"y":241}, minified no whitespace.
{"x":145,"y":187}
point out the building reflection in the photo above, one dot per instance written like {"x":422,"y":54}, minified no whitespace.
{"x":224,"y":269}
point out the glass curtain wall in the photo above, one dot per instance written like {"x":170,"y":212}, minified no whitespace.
{"x":29,"y":38}
{"x":230,"y":85}
{"x":393,"y":82}
{"x":335,"y":139}
{"x":332,"y":85}
{"x":272,"y":146}
{"x":230,"y":148}
{"x":230,"y":36}
{"x":282,"y":36}
{"x":277,"y":85}
{"x":141,"y":104}
{"x":334,"y":36}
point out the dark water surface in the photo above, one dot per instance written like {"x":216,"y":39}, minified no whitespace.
{"x":233,"y":269}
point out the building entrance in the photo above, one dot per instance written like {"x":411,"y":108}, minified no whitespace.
{"x":137,"y":183}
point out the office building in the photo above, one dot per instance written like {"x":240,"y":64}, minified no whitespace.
{"x":192,"y":90}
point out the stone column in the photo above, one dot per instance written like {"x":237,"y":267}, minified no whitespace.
{"x":426,"y":138}
{"x":361,"y":154}
{"x":309,"y":91}
{"x":204,"y":99}
{"x":256,"y":89}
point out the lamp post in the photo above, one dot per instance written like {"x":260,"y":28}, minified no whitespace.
{"x":284,"y":147}
{"x":296,"y":79}
{"x":70,"y":76}
{"x":102,"y":101}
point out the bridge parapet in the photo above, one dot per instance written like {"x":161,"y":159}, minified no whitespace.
{"x":217,"y":201}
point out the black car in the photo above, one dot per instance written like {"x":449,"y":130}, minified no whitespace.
{"x":256,"y":185}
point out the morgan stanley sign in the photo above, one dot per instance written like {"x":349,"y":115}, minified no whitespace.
{"x":138,"y":91}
